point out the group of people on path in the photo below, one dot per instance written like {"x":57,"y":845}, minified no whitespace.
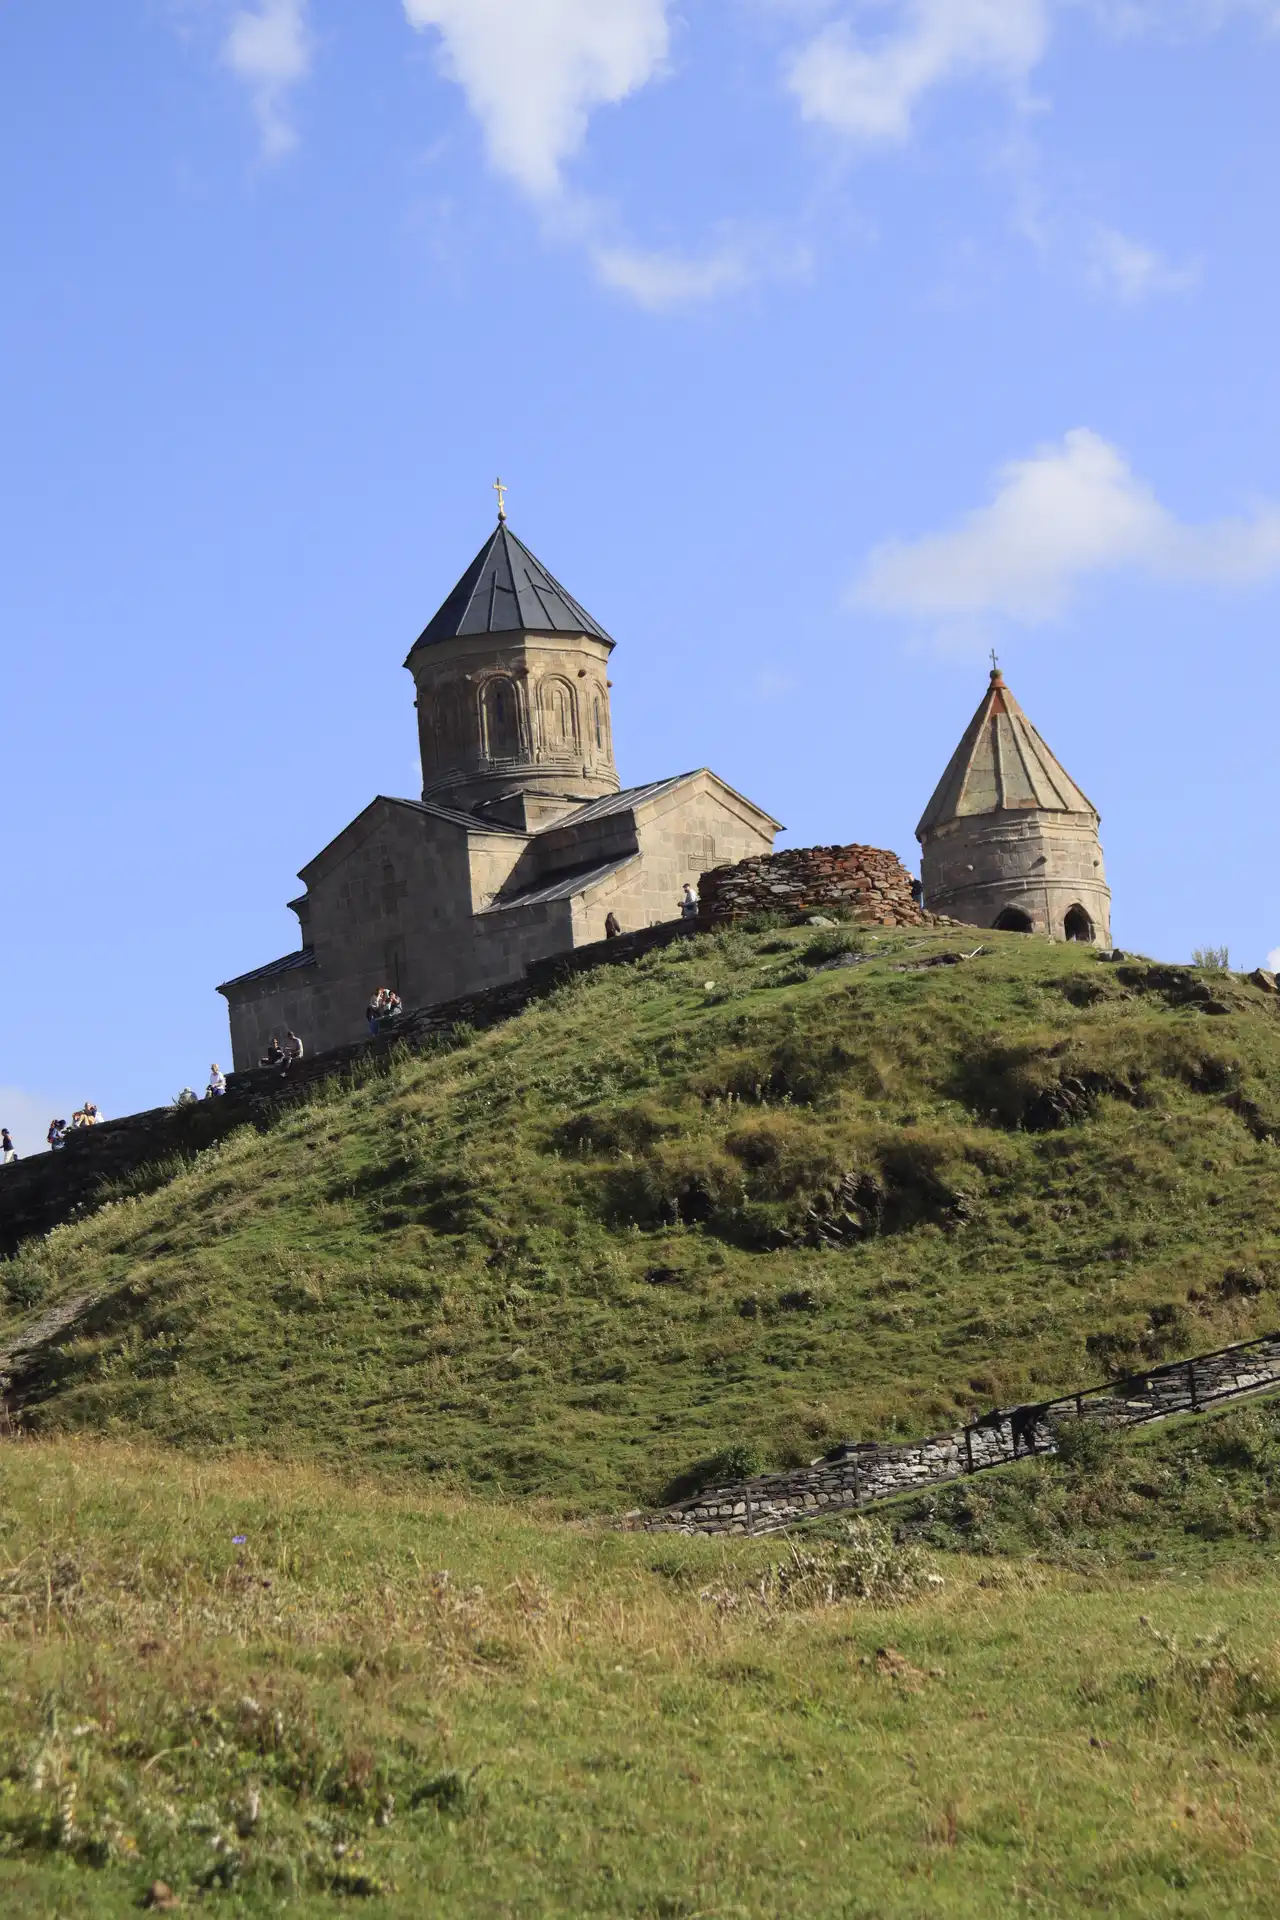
{"x":88,"y":1115}
{"x":385,"y":1006}
{"x":285,"y":1056}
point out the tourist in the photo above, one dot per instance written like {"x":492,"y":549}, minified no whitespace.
{"x":6,"y":1147}
{"x":612,"y":928}
{"x":273,"y":1055}
{"x":293,"y":1051}
{"x":57,"y":1134}
{"x":217,"y":1083}
{"x":373,"y":1012}
{"x":689,"y":903}
{"x":187,"y":1098}
{"x":393,"y":1006}
{"x":917,"y":892}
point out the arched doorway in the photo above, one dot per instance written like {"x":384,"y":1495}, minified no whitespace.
{"x":1078,"y":925}
{"x":1013,"y":920}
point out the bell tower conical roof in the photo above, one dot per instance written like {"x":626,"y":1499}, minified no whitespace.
{"x":1001,"y":765}
{"x":506,"y":589}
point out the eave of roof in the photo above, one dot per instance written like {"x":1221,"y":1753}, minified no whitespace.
{"x":288,"y":963}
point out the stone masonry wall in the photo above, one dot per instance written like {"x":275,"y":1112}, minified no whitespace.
{"x":866,"y":881}
{"x":43,"y":1191}
{"x":853,"y":1476}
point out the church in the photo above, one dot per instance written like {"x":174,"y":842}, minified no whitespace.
{"x":523,"y":841}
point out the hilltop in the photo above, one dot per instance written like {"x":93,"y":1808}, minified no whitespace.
{"x":755,"y":1193}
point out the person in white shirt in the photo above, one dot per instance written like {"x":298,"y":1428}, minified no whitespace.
{"x":217,"y":1083}
{"x":293,"y":1050}
{"x":689,"y":904}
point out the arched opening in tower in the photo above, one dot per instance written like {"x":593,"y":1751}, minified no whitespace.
{"x":1078,"y":925}
{"x":1013,"y":920}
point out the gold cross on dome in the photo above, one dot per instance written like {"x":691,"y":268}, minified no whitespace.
{"x":502,"y":493}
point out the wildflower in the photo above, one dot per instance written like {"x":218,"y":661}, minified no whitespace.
{"x":238,"y":1539}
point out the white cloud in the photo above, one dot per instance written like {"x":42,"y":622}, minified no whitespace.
{"x":533,"y":70}
{"x":270,"y":50}
{"x":1131,"y":272}
{"x":660,"y":281}
{"x":1064,"y":514}
{"x":870,"y":89}
{"x":1272,"y":961}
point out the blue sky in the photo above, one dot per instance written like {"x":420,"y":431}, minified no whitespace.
{"x":825,"y":344}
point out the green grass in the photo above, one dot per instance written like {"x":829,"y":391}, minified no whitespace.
{"x":441,"y":1707}
{"x":712,"y":1201}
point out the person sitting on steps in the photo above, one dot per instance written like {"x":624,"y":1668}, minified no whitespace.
{"x":293,"y":1051}
{"x":273,"y":1055}
{"x":217,"y":1083}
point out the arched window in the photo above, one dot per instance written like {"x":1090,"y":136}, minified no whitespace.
{"x":597,"y":722}
{"x":1078,"y":925}
{"x":559,"y":717}
{"x":501,"y":720}
{"x":1013,"y":920}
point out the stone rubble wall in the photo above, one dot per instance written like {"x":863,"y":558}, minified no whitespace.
{"x":854,"y":1476}
{"x":866,"y":881}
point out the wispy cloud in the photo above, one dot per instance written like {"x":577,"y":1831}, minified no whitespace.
{"x":659,"y":280}
{"x":870,"y":88}
{"x":533,"y":71}
{"x":1063,"y":515}
{"x":270,"y":50}
{"x":1133,"y":273}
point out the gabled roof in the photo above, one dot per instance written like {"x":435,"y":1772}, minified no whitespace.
{"x":1001,"y":764}
{"x":507,"y":590}
{"x":304,"y":957}
{"x":611,"y":803}
{"x":630,"y":797}
{"x":563,"y":887}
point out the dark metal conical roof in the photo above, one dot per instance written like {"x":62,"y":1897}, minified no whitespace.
{"x":1002,"y":764}
{"x":507,"y":590}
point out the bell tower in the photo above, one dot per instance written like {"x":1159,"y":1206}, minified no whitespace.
{"x":1008,"y":840}
{"x":513,"y":693}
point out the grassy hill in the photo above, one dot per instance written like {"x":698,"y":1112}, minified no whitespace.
{"x":273,"y":1689}
{"x":717,"y":1202}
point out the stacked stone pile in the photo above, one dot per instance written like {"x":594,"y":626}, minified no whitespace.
{"x":865,"y":881}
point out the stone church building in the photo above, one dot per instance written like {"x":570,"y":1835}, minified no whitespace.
{"x":522,"y":842}
{"x":1008,"y":840}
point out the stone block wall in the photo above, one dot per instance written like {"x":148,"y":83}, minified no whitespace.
{"x":866,"y":881}
{"x":853,"y":1476}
